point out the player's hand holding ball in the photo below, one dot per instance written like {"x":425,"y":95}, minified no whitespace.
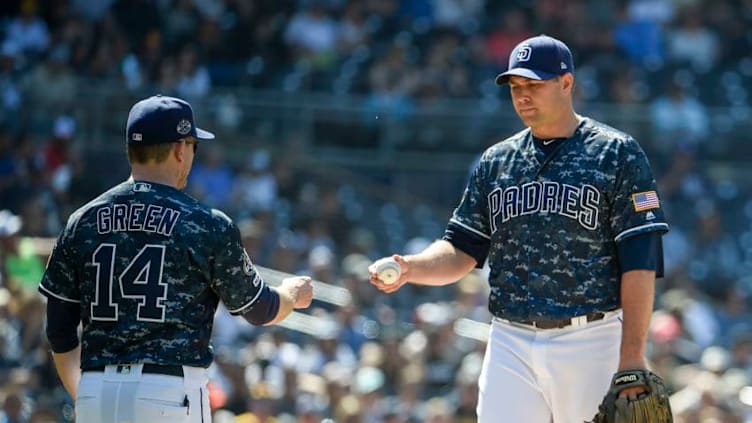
{"x":387,"y":273}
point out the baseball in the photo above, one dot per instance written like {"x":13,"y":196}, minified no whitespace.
{"x":388,"y":270}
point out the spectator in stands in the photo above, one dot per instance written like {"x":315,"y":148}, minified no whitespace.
{"x":137,"y":19}
{"x":639,"y":37}
{"x":181,"y":20}
{"x":512,"y":27}
{"x":10,"y":89}
{"x":717,"y":260}
{"x":11,"y":353}
{"x":193,"y":80}
{"x":56,"y":154}
{"x":691,"y":42}
{"x":312,"y":33}
{"x":255,"y":187}
{"x":10,"y":167}
{"x":457,"y":14}
{"x":211,"y":178}
{"x":16,"y":408}
{"x":52,"y":86}
{"x":22,"y":266}
{"x":679,"y":119}
{"x":661,"y":12}
{"x":352,"y":31}
{"x":392,"y":81}
{"x":28,"y":30}
{"x":735,"y":320}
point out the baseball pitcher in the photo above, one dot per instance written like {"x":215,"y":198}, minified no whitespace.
{"x":567,"y":214}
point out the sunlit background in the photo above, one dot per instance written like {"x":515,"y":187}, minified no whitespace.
{"x":346,"y":130}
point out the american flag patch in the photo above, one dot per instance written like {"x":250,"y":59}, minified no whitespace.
{"x":645,"y":201}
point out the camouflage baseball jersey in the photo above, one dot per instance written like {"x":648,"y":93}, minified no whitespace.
{"x":148,"y":265}
{"x":553,"y":223}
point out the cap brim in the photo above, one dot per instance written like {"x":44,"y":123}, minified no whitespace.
{"x":204,"y":135}
{"x":503,"y":78}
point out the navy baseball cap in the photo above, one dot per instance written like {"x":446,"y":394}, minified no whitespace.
{"x":162,"y":119}
{"x":540,"y":58}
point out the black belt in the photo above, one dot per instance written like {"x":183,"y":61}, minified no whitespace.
{"x":558,"y":323}
{"x":156,"y":369}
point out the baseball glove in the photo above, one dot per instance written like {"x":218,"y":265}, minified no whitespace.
{"x":651,"y":406}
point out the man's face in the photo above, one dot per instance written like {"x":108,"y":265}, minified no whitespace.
{"x":539,"y":102}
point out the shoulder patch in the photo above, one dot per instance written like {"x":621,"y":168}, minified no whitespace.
{"x":247,"y":264}
{"x":647,"y":200}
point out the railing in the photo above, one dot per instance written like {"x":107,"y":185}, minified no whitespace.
{"x":336,"y":134}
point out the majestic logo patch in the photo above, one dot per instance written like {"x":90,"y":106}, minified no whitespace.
{"x":645,"y":201}
{"x":136,"y":136}
{"x":141,"y":187}
{"x":184,"y":127}
{"x":523,"y":54}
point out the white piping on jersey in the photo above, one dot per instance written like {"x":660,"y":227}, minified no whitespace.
{"x":475,"y":231}
{"x":59,"y":297}
{"x":249,"y":303}
{"x":640,"y":228}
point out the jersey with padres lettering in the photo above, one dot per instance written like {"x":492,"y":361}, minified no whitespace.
{"x":552,"y":224}
{"x":148,"y":265}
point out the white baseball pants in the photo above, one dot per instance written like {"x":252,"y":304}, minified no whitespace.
{"x":547,"y":376}
{"x":114,"y":396}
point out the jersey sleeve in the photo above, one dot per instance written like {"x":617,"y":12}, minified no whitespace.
{"x":636,"y":207}
{"x":235,"y":279}
{"x":59,"y":279}
{"x":468,"y":228}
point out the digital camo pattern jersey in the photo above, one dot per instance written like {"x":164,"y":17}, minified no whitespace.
{"x":148,"y":265}
{"x":553,"y":225}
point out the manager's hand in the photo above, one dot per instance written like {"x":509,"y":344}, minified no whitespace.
{"x":301,"y":288}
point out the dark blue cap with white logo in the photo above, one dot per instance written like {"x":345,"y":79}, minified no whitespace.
{"x":162,"y":119}
{"x":540,"y":58}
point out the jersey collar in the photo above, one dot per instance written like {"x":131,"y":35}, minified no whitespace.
{"x":533,"y":153}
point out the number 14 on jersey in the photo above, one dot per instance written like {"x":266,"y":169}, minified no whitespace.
{"x":141,"y":281}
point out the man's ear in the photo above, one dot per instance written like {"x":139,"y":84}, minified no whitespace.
{"x":567,"y":82}
{"x":178,"y":150}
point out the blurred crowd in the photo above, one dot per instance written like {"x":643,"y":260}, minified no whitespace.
{"x":413,"y":356}
{"x":679,"y":53}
